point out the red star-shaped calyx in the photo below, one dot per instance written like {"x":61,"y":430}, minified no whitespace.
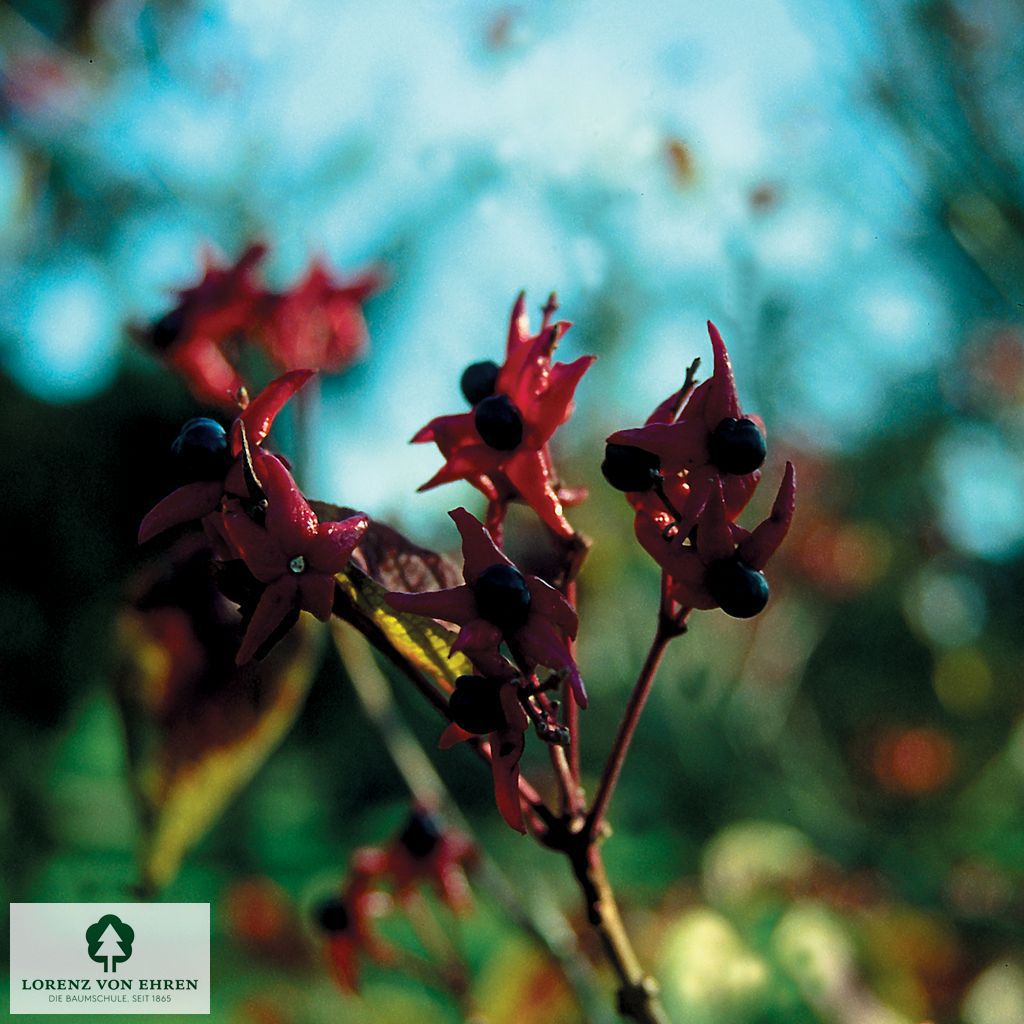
{"x":501,"y":446}
{"x":294,"y":554}
{"x":498,"y":604}
{"x":220,"y":468}
{"x":721,"y":566}
{"x":428,"y":851}
{"x":225,"y":302}
{"x":345,"y":920}
{"x":491,"y":707}
{"x":700,"y":442}
{"x":319,"y":322}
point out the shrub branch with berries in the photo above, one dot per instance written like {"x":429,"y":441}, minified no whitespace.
{"x":490,"y":646}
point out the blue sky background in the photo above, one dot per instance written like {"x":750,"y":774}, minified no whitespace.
{"x":476,"y":149}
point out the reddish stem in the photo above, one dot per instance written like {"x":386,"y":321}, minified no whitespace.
{"x":631,"y":716}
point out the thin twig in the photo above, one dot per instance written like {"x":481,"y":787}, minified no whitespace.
{"x":637,"y":996}
{"x":688,"y":384}
{"x":567,"y":788}
{"x":637,"y":992}
{"x":624,"y":736}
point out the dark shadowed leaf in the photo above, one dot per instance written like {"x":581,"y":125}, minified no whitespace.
{"x":198,"y":727}
{"x":394,"y":561}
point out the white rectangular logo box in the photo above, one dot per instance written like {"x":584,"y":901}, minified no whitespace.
{"x":110,"y":958}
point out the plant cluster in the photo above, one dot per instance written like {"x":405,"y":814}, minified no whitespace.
{"x":492,"y":647}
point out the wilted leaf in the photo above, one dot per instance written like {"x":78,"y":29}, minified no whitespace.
{"x":198,"y":727}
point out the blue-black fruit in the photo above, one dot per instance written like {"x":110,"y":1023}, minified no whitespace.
{"x":201,"y":450}
{"x":499,"y":423}
{"x":630,"y":469}
{"x":479,"y":380}
{"x":739,"y":590}
{"x":737,"y":446}
{"x":332,"y":915}
{"x":421,"y":834}
{"x":475,"y":704}
{"x":502,"y":596}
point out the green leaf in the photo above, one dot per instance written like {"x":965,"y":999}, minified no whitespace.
{"x":198,"y":727}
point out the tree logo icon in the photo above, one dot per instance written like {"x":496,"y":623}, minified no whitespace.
{"x":110,"y":942}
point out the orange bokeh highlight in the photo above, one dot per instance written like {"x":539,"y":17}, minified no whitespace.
{"x":915,"y":761}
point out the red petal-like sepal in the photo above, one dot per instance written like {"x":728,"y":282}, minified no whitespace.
{"x":541,"y":644}
{"x":507,"y":747}
{"x":766,"y":538}
{"x":274,"y":605}
{"x":552,"y":605}
{"x":714,"y":532}
{"x":528,"y":473}
{"x":555,"y":406}
{"x":206,"y":370}
{"x":478,"y":639}
{"x":343,"y":961}
{"x":260,"y":551}
{"x":722,"y":399}
{"x":518,"y":326}
{"x":456,"y":605}
{"x":479,"y":552}
{"x":448,"y":432}
{"x":260,"y":413}
{"x":316,"y":594}
{"x":453,"y":734}
{"x":679,"y":445}
{"x":330,"y":550}
{"x":290,"y":520}
{"x":185,"y":505}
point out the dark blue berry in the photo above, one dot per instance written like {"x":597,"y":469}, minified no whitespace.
{"x":499,"y":423}
{"x":479,"y":380}
{"x":630,"y":469}
{"x":739,"y":590}
{"x":475,"y":705}
{"x":201,"y":450}
{"x":332,"y":915}
{"x":502,"y":596}
{"x":167,"y":330}
{"x":737,"y":446}
{"x":421,"y":834}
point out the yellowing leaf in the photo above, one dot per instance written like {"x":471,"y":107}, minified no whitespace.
{"x":386,"y":560}
{"x":425,"y":643}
